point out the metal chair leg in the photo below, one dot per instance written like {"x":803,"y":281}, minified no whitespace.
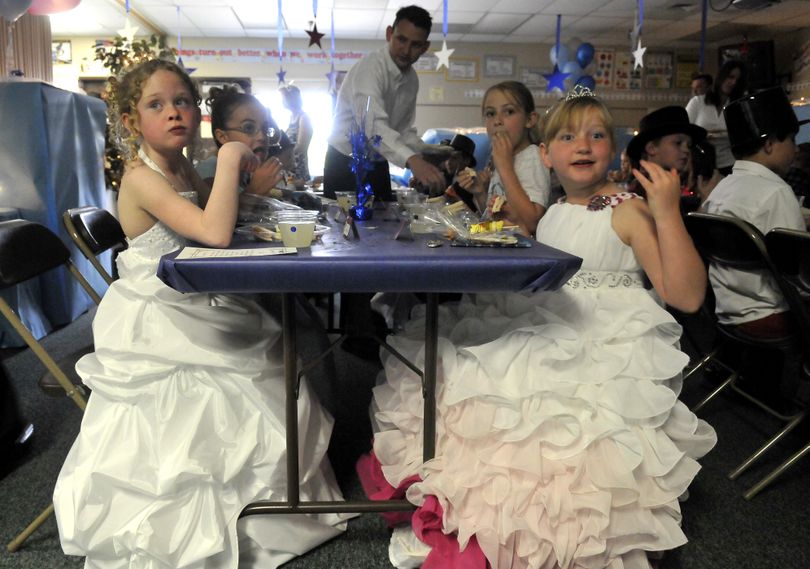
{"x":702,"y":363}
{"x":17,"y":542}
{"x":754,"y":457}
{"x":729,"y":380}
{"x":759,"y":486}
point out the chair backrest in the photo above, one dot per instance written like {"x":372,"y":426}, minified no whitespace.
{"x":790,"y":251}
{"x":735,"y":243}
{"x":728,"y":241}
{"x":95,"y":230}
{"x":28,"y":249}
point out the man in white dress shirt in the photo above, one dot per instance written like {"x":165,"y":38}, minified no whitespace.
{"x":762,"y":130}
{"x":385,"y":83}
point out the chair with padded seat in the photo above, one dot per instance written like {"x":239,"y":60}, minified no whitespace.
{"x":27,"y":250}
{"x":94,"y":231}
{"x":790,"y":251}
{"x":734,"y":243}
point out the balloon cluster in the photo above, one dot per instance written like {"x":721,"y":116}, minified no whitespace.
{"x":579,"y":68}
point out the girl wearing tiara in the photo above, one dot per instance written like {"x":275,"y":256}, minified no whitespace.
{"x":185,"y":423}
{"x":561,"y":442}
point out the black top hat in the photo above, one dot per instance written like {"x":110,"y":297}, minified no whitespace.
{"x":755,"y":117}
{"x":465,"y":145}
{"x":661,"y":122}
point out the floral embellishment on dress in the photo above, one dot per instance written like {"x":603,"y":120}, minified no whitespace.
{"x":600,"y":202}
{"x":605,"y":279}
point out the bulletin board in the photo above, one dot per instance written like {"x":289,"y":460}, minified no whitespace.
{"x":658,"y":70}
{"x":685,"y":66}
{"x":625,"y":78}
{"x":603,"y":74}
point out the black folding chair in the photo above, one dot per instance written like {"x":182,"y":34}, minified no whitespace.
{"x":27,"y":250}
{"x":790,"y":251}
{"x":94,"y":231}
{"x":733,"y":243}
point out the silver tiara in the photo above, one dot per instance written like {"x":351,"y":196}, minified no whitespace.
{"x":579,"y":91}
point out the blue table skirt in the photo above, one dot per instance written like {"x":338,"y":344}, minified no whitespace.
{"x":375,"y":263}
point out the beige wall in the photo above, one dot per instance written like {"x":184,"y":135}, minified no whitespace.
{"x":441,"y":103}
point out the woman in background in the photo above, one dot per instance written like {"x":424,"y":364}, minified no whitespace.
{"x":299,"y":130}
{"x":707,"y":110}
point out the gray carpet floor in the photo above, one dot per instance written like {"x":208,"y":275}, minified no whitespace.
{"x":772,"y":531}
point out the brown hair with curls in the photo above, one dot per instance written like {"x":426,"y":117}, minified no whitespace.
{"x":123,"y":94}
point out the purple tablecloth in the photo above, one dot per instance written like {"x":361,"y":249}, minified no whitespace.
{"x":375,"y":263}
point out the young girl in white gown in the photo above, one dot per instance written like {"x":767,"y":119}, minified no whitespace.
{"x":185,"y":423}
{"x":561,"y":442}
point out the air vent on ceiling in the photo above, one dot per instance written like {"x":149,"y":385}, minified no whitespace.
{"x":754,"y":4}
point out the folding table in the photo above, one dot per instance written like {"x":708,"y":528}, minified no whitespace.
{"x":374,"y":262}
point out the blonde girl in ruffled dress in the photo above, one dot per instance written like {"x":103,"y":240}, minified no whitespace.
{"x":561,"y":441}
{"x":185,"y":423}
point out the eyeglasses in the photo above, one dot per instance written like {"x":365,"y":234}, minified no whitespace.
{"x":272,"y":134}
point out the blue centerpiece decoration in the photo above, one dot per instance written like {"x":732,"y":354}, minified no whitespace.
{"x":363,"y":157}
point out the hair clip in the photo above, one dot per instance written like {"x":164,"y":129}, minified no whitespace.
{"x":579,"y":91}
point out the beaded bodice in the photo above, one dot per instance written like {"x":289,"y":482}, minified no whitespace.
{"x":586,"y":231}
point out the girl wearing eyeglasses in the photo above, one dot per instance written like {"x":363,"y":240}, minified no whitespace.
{"x":237,"y":116}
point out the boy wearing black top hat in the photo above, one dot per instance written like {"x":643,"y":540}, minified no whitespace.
{"x":762,"y":128}
{"x":667,"y":138}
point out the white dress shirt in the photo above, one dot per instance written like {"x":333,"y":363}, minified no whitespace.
{"x":376,"y":83}
{"x":714,"y":122}
{"x":759,"y":196}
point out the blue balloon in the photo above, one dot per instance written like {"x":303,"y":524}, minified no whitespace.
{"x":587,"y":81}
{"x":558,"y":58}
{"x":585,"y":54}
{"x":573,"y":69}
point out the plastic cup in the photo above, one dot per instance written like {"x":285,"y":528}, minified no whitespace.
{"x":297,"y":228}
{"x":346,"y":200}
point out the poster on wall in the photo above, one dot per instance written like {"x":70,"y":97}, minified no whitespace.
{"x":658,"y":70}
{"x":625,"y":78}
{"x":603,"y":74}
{"x":532,"y":76}
{"x":686,"y":64}
{"x":427,"y":63}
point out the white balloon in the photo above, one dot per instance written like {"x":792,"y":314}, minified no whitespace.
{"x":573,"y":69}
{"x":11,"y":10}
{"x":558,"y":59}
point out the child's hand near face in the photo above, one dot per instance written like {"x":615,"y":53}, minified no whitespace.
{"x":502,"y":151}
{"x":247,"y":160}
{"x":266,"y":177}
{"x":470,"y":181}
{"x":663,"y":188}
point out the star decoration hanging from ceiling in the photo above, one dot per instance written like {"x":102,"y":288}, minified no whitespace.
{"x":128,"y":31}
{"x":634,"y":35}
{"x":332,"y":77}
{"x":556,"y":79}
{"x":188,"y":70}
{"x":315,"y":36}
{"x":638,"y":56}
{"x":281,"y":75}
{"x":443,"y":56}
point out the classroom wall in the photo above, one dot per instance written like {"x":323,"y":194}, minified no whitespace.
{"x":442,"y":102}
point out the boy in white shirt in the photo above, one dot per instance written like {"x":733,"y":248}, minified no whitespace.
{"x":762,"y":129}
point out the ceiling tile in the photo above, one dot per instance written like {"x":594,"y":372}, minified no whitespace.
{"x":499,"y":23}
{"x":519,"y":6}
